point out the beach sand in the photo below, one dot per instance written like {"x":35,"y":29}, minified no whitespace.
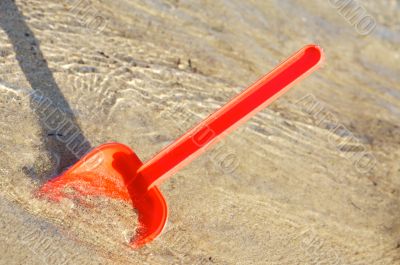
{"x":312,"y":179}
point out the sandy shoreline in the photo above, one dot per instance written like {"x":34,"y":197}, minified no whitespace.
{"x":295,"y":190}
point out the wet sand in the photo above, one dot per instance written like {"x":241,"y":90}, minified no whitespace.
{"x":313,"y":179}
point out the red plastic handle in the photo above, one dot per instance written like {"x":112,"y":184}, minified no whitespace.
{"x":238,"y":110}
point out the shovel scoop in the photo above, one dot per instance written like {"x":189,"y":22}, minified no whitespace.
{"x":114,"y":170}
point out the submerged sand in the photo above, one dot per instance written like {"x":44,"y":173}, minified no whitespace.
{"x":313,"y":179}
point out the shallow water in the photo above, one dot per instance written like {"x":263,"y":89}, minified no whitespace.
{"x":285,"y":188}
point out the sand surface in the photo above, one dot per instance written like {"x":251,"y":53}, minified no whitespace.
{"x":313,"y":179}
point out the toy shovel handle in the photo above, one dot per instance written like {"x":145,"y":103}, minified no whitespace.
{"x":238,"y":110}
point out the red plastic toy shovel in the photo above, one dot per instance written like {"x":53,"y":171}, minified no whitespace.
{"x":114,"y":170}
